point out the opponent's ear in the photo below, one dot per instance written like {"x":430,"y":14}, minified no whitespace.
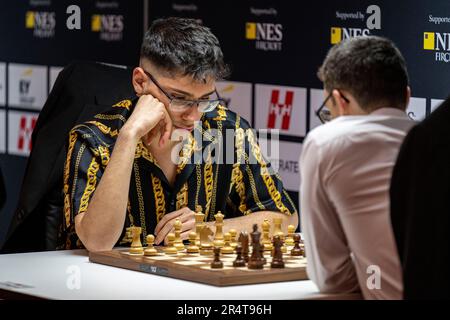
{"x":341,"y":104}
{"x":140,"y":81}
{"x":408,"y":96}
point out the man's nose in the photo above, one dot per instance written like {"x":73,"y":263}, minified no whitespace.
{"x":192,"y":114}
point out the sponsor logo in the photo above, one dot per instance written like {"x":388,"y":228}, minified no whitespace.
{"x":42,"y":23}
{"x":27,"y":86}
{"x":372,"y":20}
{"x":279,"y":115}
{"x":267,"y":36}
{"x":439,"y":43}
{"x":282,"y":108}
{"x":284,"y":157}
{"x":108,"y":26}
{"x":21,"y":126}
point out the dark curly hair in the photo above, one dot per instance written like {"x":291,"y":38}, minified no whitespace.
{"x":182,"y":46}
{"x":371,"y":68}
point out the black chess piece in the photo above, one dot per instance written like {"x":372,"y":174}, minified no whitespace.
{"x":239,"y":262}
{"x":277,"y":260}
{"x":256,"y":260}
{"x":243,"y":239}
{"x":297,"y":250}
{"x":216,"y":263}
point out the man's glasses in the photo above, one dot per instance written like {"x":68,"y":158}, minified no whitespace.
{"x":323,"y":113}
{"x":181,"y":105}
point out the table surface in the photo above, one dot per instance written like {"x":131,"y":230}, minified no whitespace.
{"x":70,"y":275}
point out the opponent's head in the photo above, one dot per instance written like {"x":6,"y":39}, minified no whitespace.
{"x":179,"y":63}
{"x":363,"y":74}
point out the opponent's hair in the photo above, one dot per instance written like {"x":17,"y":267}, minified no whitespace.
{"x":182,"y":46}
{"x":371,"y":68}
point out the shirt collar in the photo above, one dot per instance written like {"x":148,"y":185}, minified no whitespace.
{"x":394,"y":112}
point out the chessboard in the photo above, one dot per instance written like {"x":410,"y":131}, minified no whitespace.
{"x":197,"y":268}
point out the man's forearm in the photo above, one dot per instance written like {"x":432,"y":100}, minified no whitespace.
{"x":100,"y":226}
{"x":245,"y":223}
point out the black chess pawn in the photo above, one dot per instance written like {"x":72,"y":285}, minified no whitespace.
{"x":256,"y":260}
{"x":277,"y":260}
{"x":239,"y":262}
{"x":243,"y":239}
{"x":216,"y":263}
{"x":297,"y":250}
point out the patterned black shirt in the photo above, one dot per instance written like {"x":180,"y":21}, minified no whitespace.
{"x":237,"y":188}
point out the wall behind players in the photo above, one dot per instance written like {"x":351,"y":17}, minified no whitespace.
{"x":273,"y":47}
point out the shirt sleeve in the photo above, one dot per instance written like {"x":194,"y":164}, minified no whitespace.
{"x":255,"y":186}
{"x":329,"y":265}
{"x":83,"y":170}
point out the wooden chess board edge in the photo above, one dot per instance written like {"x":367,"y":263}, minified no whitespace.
{"x":226,"y":277}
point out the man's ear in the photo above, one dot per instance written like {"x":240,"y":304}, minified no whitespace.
{"x":408,"y":96}
{"x":140,"y":81}
{"x":341,"y":105}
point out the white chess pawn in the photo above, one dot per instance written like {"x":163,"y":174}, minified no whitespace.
{"x":290,"y":237}
{"x":227,"y":248}
{"x":192,"y":247}
{"x":170,"y":249}
{"x":233,"y":242}
{"x":150,"y":250}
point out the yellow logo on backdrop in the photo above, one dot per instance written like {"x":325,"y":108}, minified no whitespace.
{"x":250,"y":31}
{"x":29,"y":20}
{"x":336,"y":35}
{"x":27,"y":72}
{"x":428,"y":40}
{"x":96,"y":23}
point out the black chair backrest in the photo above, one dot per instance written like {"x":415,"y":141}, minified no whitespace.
{"x":81,"y":90}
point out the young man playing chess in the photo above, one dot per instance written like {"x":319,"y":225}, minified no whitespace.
{"x":127,"y":166}
{"x":346,"y":167}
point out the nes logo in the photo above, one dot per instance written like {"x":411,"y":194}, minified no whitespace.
{"x":267,"y":36}
{"x":284,"y":159}
{"x":2,"y":84}
{"x":2,"y":132}
{"x":373,"y":22}
{"x":109,"y":26}
{"x":27,"y":86}
{"x":21,"y":126}
{"x":439,"y":43}
{"x":42,"y":23}
{"x":282,"y":108}
{"x":238,"y":96}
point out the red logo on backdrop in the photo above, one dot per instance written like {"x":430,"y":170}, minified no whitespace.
{"x":26,"y":127}
{"x":280,"y":112}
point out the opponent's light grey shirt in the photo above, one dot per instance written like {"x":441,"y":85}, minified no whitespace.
{"x":346,"y":168}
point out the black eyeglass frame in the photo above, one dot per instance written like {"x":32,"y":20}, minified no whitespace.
{"x":214,"y":103}
{"x":319,"y":112}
